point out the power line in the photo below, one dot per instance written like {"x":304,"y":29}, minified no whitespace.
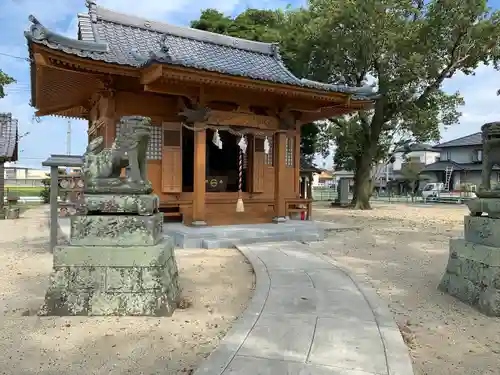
{"x":16,"y":57}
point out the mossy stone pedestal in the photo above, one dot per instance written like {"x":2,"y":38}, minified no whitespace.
{"x":473,"y":271}
{"x":117,"y":262}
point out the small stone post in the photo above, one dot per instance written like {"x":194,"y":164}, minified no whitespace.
{"x":54,"y":189}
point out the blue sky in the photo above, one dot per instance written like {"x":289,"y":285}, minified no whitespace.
{"x":49,"y":135}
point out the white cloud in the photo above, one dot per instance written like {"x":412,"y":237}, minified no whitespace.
{"x":49,"y":136}
{"x":482,"y":105}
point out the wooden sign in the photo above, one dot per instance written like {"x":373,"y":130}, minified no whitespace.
{"x":216,"y":183}
{"x":241,"y":119}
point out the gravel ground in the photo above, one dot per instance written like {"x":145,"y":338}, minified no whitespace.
{"x":218,"y":283}
{"x":402,"y":249}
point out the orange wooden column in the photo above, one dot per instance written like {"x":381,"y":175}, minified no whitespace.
{"x":107,"y":113}
{"x":200,"y":154}
{"x":280,"y":179}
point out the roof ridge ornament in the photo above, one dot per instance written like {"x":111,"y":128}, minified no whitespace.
{"x":275,"y":50}
{"x":37,"y":30}
{"x":40,"y":34}
{"x":92,"y":7}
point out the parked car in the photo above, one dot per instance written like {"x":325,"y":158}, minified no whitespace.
{"x":436,"y":189}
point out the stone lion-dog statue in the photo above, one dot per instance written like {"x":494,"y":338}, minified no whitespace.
{"x":491,"y":156}
{"x":102,"y":167}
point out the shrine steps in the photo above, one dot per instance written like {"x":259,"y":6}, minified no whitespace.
{"x":243,"y":234}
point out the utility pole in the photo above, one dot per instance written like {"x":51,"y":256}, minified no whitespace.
{"x":68,"y":139}
{"x":68,"y":144}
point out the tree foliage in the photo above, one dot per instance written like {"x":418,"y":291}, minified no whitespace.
{"x":411,"y":173}
{"x":270,"y":26}
{"x":408,"y":48}
{"x":4,"y":81}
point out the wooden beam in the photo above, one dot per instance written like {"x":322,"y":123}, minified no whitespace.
{"x":40,"y":60}
{"x":325,"y":112}
{"x":172,"y":88}
{"x":241,"y":119}
{"x":55,"y":109}
{"x":151,"y":74}
{"x":218,"y":79}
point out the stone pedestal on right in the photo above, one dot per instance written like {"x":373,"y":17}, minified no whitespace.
{"x":473,"y":271}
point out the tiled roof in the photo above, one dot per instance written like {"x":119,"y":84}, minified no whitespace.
{"x":442,"y":165}
{"x":117,"y":38}
{"x":469,"y":140}
{"x":414,"y":147}
{"x":8,"y":137}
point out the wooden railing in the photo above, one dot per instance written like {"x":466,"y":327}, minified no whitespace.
{"x":299,"y":205}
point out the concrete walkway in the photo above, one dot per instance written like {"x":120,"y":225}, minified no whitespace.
{"x":308,"y":317}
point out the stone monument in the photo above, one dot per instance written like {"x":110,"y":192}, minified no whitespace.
{"x":473,"y":271}
{"x":343,"y":192}
{"x":117,"y":261}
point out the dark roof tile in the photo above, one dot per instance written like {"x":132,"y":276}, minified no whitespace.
{"x":468,"y":140}
{"x":8,"y":137}
{"x":117,"y":38}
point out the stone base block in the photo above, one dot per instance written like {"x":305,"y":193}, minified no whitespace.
{"x":116,"y":230}
{"x":139,"y":280}
{"x":473,"y":275}
{"x":12,"y":213}
{"x":490,"y":206}
{"x":482,"y":230}
{"x":112,"y":203}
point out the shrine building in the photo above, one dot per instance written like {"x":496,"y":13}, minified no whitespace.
{"x":226,"y":112}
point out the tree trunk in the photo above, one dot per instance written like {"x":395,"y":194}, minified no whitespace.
{"x":354,"y":194}
{"x":362,"y":183}
{"x":369,"y":144}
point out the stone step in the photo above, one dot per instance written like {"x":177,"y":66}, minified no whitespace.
{"x":231,"y":242}
{"x":224,"y":236}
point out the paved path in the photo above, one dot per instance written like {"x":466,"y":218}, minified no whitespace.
{"x":308,"y":317}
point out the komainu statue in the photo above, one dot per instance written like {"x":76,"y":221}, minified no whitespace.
{"x":102,"y":167}
{"x":491,"y":156}
{"x":472,"y":274}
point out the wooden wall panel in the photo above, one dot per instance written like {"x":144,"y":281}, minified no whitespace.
{"x":269,"y":175}
{"x":154,"y":175}
{"x":257,"y":165}
{"x":171,"y":162}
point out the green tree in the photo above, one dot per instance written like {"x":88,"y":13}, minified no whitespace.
{"x":411,"y":173}
{"x":271,"y":26}
{"x":45,"y":192}
{"x":4,"y":81}
{"x":409,"y":48}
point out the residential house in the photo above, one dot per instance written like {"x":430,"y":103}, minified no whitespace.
{"x":460,"y":162}
{"x":323,"y":178}
{"x":418,"y":153}
{"x":16,"y":175}
{"x":8,"y":147}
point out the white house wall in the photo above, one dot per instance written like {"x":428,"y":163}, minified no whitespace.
{"x":459,"y":155}
{"x":425,"y":157}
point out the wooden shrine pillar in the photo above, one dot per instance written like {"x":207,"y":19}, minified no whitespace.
{"x":280,"y":178}
{"x":107,"y":114}
{"x":199,"y":178}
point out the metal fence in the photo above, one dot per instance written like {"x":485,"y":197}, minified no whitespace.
{"x":66,"y":191}
{"x":23,"y":182}
{"x":328,"y":194}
